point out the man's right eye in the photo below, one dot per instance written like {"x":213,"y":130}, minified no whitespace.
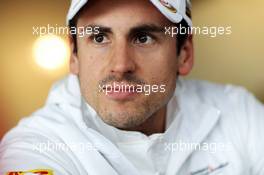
{"x":100,"y":39}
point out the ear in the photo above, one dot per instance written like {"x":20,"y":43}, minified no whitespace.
{"x":74,"y":61}
{"x":186,"y":57}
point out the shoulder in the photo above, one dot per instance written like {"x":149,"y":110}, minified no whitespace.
{"x":39,"y":141}
{"x":234,"y":102}
{"x":219,"y":95}
{"x":241,"y":116}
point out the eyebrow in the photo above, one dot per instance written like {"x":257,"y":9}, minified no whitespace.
{"x":101,"y":29}
{"x":147,"y":28}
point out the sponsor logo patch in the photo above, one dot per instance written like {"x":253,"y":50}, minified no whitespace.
{"x":31,"y":172}
{"x":168,"y":6}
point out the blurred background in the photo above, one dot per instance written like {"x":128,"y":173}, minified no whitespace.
{"x":26,"y":76}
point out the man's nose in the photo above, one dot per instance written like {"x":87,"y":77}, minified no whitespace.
{"x":122,"y":61}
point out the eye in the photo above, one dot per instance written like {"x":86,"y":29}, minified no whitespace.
{"x":143,"y":39}
{"x":100,"y":39}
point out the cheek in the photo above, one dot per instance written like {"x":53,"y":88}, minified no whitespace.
{"x":161,"y":66}
{"x":88,"y":75}
{"x":162,"y":70}
{"x":167,"y":80}
{"x":92,"y":66}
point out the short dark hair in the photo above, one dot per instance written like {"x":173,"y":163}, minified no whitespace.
{"x":181,"y":38}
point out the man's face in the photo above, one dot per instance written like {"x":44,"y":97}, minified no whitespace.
{"x":131,"y":49}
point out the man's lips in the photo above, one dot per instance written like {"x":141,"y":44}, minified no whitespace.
{"x":109,"y":89}
{"x":121,"y":95}
{"x":120,"y":91}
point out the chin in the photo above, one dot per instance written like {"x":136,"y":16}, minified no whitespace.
{"x":123,"y":119}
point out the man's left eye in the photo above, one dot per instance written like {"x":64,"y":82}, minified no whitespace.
{"x":144,"y":39}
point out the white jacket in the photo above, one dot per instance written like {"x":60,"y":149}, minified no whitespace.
{"x":211,"y":129}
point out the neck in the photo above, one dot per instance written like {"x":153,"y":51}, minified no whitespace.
{"x":154,"y":124}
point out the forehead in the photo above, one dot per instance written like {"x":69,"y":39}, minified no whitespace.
{"x":121,"y":13}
